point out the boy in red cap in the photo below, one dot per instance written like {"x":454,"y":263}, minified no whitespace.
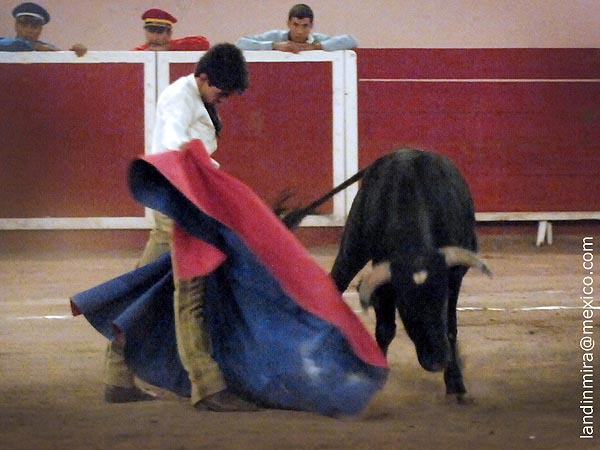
{"x":158,"y":26}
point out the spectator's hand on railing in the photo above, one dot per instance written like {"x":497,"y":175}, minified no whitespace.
{"x":79,"y":49}
{"x":287,"y":46}
{"x":295,"y":47}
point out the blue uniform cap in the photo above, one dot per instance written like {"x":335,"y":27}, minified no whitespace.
{"x":30,"y":9}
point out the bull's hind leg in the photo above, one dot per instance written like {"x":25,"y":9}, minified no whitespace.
{"x":385,"y":314}
{"x":453,"y":374}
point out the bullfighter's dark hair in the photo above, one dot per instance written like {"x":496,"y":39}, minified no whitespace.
{"x":301,"y":11}
{"x":225,"y":66}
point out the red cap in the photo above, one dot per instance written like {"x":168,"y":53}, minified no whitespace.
{"x":158,"y":18}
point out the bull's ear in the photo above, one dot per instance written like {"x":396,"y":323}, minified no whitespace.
{"x":458,"y":256}
{"x":381,"y":274}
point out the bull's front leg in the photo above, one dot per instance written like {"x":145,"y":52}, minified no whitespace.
{"x":385,"y":316}
{"x":453,"y":376}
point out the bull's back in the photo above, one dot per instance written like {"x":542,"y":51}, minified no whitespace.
{"x":412,"y":200}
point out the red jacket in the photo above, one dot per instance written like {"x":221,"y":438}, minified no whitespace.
{"x":189,"y":43}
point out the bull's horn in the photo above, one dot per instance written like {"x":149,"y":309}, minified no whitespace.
{"x":381,"y":274}
{"x":458,"y":256}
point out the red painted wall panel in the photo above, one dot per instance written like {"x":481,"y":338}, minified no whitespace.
{"x":68,"y":132}
{"x":523,"y":144}
{"x":278,"y":135}
{"x":505,"y":63}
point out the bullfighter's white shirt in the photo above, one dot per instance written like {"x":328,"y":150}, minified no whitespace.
{"x":181,"y":116}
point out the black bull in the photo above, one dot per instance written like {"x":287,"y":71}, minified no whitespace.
{"x":413,"y":217}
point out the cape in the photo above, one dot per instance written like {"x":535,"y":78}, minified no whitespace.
{"x":281,"y":332}
{"x":189,"y":43}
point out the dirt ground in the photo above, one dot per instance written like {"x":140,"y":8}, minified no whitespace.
{"x":522,"y":368}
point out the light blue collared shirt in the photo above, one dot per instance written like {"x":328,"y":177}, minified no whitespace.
{"x":265,"y":41}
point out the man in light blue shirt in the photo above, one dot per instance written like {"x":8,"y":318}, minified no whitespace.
{"x":299,"y":36}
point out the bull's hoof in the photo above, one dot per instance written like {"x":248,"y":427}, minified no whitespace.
{"x":116,"y":394}
{"x":464,"y":399}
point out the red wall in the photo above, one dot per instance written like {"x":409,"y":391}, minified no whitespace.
{"x":66,"y":139}
{"x":277,"y":136}
{"x":522,"y":124}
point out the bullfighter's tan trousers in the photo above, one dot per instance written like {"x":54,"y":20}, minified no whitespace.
{"x":193,"y":341}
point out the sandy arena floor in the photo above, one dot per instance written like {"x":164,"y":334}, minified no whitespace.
{"x":522,"y":368}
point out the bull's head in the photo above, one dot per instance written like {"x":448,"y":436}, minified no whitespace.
{"x":421,"y":289}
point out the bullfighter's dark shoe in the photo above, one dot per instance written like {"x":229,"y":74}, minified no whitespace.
{"x":225,"y":401}
{"x":116,"y":394}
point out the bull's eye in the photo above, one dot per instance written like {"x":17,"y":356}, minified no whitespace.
{"x":420,"y":277}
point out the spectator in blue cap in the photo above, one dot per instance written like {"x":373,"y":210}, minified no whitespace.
{"x":30,"y":18}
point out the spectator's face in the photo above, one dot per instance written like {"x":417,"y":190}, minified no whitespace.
{"x":157,"y":38}
{"x":28,"y":28}
{"x":299,"y":29}
{"x":210,"y":94}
